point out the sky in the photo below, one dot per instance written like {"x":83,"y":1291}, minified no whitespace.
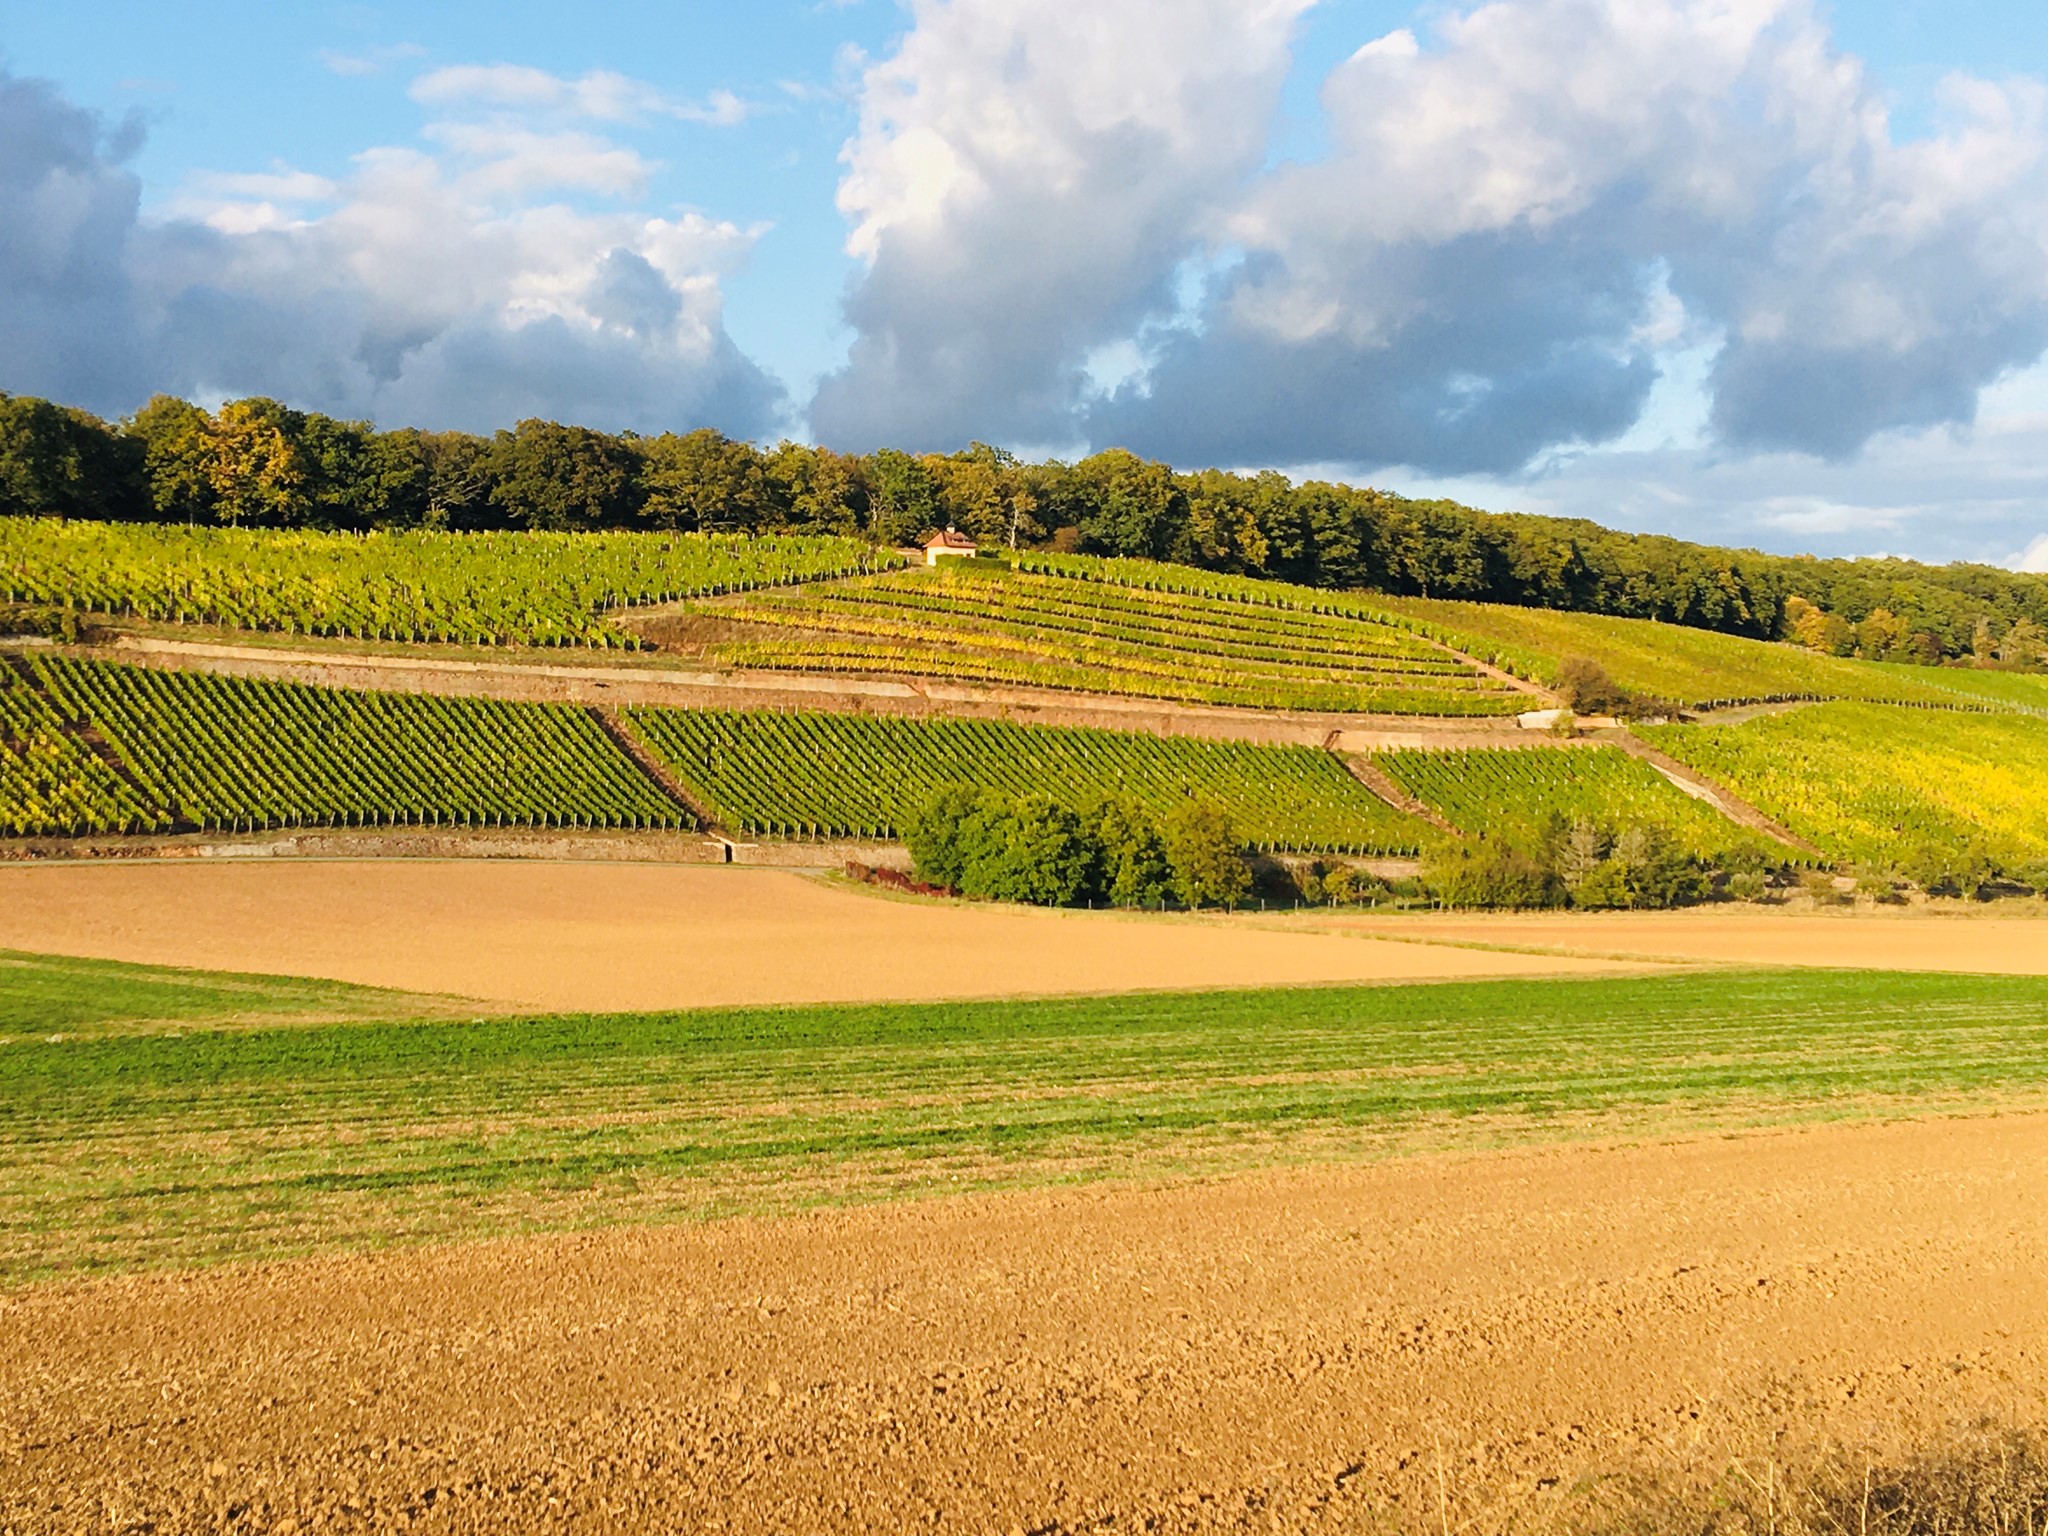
{"x":1763,"y":272}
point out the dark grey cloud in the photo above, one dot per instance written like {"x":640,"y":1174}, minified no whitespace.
{"x":1538,"y":349}
{"x":68,"y":320}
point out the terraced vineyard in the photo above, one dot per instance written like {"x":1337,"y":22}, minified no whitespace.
{"x":51,"y":782}
{"x":810,"y":775}
{"x":1515,"y":794}
{"x":987,"y":622}
{"x":1864,"y":782}
{"x":472,"y":588}
{"x":227,"y":753}
{"x":1697,"y":668}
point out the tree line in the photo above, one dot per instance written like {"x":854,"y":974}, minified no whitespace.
{"x":258,"y":463}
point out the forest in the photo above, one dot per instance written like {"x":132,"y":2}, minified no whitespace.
{"x":257,"y":463}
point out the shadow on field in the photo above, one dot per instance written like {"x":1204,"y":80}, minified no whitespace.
{"x":1990,"y":1479}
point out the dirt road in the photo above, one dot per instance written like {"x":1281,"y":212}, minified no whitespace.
{"x":1469,"y":1343}
{"x":616,"y":936}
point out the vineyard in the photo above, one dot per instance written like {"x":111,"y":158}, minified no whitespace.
{"x":810,"y":775}
{"x":1035,"y":624}
{"x":1696,"y":668}
{"x":2025,"y":692}
{"x":1867,"y":783}
{"x":227,"y":753}
{"x":553,"y":589}
{"x":1518,"y":794}
{"x":51,"y":782}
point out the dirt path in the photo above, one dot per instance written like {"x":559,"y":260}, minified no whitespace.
{"x":1471,"y":1343}
{"x":638,"y":936}
{"x":1692,"y":782}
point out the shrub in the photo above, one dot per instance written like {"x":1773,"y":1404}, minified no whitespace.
{"x":1587,"y":688}
{"x":1480,"y":873}
{"x":1655,"y":873}
{"x":1819,"y":885}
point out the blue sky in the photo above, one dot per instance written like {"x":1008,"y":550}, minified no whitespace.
{"x":1195,"y":226}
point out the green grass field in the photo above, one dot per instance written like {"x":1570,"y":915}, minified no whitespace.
{"x":125,"y":1143}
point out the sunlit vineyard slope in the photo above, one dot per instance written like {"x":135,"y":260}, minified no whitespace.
{"x":473,"y":588}
{"x":1080,"y":624}
{"x":226,"y":752}
{"x":863,"y":776}
{"x":1895,"y":787}
{"x":1522,"y":795}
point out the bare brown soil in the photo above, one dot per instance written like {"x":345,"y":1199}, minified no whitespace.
{"x":635,"y":936}
{"x":1924,"y":939}
{"x":1479,"y":1343}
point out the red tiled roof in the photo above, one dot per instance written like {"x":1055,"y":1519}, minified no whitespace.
{"x":949,"y":540}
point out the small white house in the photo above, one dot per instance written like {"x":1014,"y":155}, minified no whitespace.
{"x":949,"y":545}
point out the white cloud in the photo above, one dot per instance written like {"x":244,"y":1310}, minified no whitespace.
{"x":1524,"y":222}
{"x":373,"y":61}
{"x":421,"y":288}
{"x":2033,"y":558}
{"x":599,"y":94}
{"x":1025,"y":177}
{"x":509,"y":161}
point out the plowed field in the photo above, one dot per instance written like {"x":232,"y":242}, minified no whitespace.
{"x":611,"y":936}
{"x":602,"y":937}
{"x":1474,"y":1343}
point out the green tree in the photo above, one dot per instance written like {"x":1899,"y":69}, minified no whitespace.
{"x":903,"y":504}
{"x":257,"y":464}
{"x":1131,"y":865}
{"x":703,"y":481}
{"x":396,"y":481}
{"x":341,"y":489}
{"x":1033,"y":850}
{"x":944,"y":832}
{"x":1478,"y":872}
{"x":1654,"y":872}
{"x":460,"y":480}
{"x":58,"y":462}
{"x":1206,"y":852}
{"x":173,"y":436}
{"x":546,"y":475}
{"x":814,"y":490}
{"x":1134,"y":507}
{"x":2025,"y":644}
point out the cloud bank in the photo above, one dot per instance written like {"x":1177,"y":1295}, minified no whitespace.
{"x":1519,"y":221}
{"x":498,"y":273}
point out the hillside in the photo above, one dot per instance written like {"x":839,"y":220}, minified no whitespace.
{"x":259,"y":463}
{"x":93,"y":745}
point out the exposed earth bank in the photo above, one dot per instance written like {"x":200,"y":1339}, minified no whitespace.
{"x":1477,"y":1343}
